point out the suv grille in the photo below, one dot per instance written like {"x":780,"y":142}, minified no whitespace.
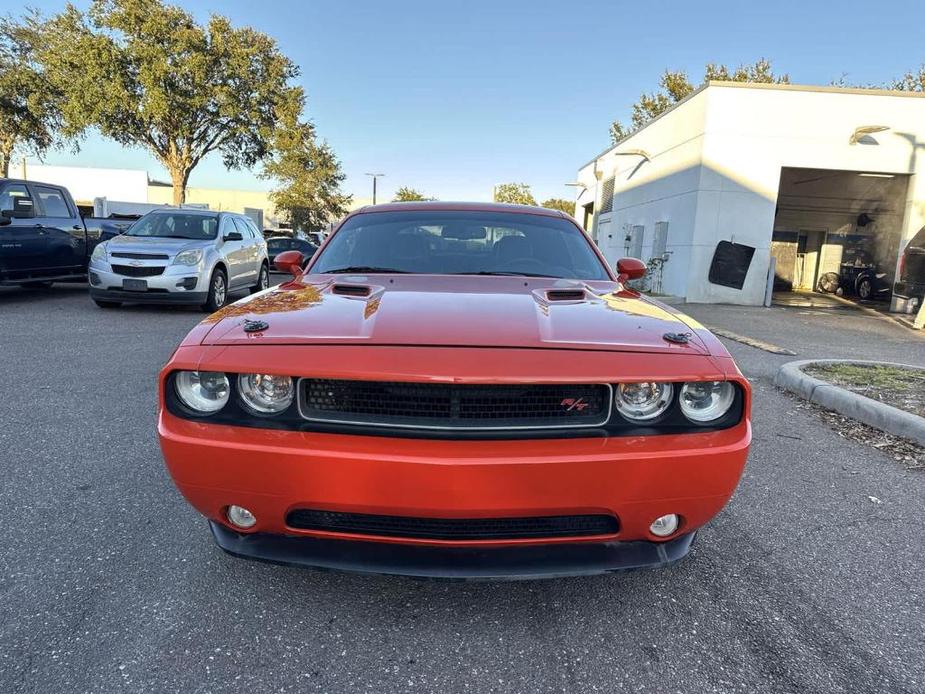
{"x":130,"y":271}
{"x":140,"y":256}
{"x":453,"y":528}
{"x":454,"y":406}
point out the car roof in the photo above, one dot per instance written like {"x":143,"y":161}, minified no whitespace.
{"x":188,"y":210}
{"x":441,"y":206}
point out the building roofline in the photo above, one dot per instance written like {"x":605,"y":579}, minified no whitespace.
{"x":760,"y":85}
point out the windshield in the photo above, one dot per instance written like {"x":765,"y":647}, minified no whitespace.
{"x":461,"y":243}
{"x":176,"y":225}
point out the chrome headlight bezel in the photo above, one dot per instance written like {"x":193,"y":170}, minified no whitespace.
{"x":635,"y":409}
{"x":722,"y":396}
{"x":258,"y":394}
{"x":189,"y":257}
{"x":203,"y":393}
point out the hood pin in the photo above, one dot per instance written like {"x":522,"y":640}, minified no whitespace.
{"x":677,"y":338}
{"x":255,"y":326}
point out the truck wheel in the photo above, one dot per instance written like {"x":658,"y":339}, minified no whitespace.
{"x":263,"y":279}
{"x":107,"y":304}
{"x":218,"y":291}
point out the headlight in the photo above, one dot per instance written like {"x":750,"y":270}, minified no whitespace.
{"x":705,"y":401}
{"x":640,"y":402}
{"x":99,"y":253}
{"x":204,"y":392}
{"x":265,"y":394}
{"x":191,"y":257}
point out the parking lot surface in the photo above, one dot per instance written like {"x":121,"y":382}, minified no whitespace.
{"x":109,"y":582}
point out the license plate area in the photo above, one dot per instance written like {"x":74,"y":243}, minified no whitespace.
{"x":135,"y":285}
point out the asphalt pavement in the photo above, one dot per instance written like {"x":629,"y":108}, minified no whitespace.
{"x":109,"y":582}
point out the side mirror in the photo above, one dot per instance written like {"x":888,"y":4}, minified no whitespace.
{"x":22,"y":209}
{"x":289,"y":261}
{"x":233,"y":236}
{"x":630,"y":269}
{"x":4,"y":220}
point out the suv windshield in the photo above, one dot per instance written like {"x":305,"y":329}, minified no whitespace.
{"x":176,"y":225}
{"x":461,"y":243}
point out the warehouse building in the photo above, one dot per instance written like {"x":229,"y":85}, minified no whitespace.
{"x":744,"y":189}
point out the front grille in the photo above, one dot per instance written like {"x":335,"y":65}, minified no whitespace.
{"x":454,"y":406}
{"x":131,"y":271}
{"x":140,"y":256}
{"x":453,"y":528}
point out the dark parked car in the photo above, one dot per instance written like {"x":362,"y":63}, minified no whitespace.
{"x":43,"y":238}
{"x":911,"y":282}
{"x":280,"y":244}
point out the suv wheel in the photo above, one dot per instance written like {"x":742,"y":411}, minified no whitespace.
{"x":218,"y":291}
{"x":263,"y":279}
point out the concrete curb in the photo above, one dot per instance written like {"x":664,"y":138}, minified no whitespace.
{"x":876,"y":414}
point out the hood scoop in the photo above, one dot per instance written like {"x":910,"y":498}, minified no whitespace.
{"x":566,"y":295}
{"x":351,"y":290}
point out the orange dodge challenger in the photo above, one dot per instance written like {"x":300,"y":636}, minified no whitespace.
{"x":455,"y":390}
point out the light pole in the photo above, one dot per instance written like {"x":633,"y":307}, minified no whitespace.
{"x":375,"y":176}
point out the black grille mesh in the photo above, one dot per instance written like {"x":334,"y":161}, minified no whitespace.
{"x":130,"y":271}
{"x":454,"y":406}
{"x":453,"y":528}
{"x":140,"y":256}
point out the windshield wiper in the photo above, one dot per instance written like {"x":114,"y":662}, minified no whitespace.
{"x":364,"y":268}
{"x":501,"y":273}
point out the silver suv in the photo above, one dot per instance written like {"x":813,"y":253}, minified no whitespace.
{"x":180,"y":256}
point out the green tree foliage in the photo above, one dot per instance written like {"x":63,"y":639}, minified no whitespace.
{"x":307,"y":173}
{"x":561,"y":204}
{"x":30,"y":115}
{"x":517,"y":193}
{"x":406,"y":194}
{"x":147,"y":75}
{"x":674,"y":86}
{"x":912,"y":81}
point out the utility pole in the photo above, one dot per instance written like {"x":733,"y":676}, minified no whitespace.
{"x":375,"y":176}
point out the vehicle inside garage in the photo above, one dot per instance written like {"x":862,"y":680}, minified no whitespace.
{"x":838,"y":232}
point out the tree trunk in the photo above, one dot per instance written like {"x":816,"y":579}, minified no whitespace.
{"x":6,"y":154}
{"x":179,"y":177}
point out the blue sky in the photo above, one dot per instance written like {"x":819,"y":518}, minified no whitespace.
{"x":454,"y":97}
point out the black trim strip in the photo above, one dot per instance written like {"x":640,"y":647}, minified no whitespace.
{"x":530,"y":561}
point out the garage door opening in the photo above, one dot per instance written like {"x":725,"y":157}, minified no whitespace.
{"x":838,"y":232}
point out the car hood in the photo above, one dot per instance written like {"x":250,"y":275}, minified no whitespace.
{"x":152,"y":244}
{"x":452,"y":311}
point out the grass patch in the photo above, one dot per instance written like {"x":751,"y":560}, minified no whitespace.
{"x":901,"y":388}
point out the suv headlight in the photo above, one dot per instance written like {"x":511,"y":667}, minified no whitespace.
{"x":264,"y":394}
{"x":99,"y":253}
{"x":706,"y":401}
{"x":190,"y":257}
{"x":640,"y":402}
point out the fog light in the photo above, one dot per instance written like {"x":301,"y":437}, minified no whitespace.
{"x":662,"y":526}
{"x":241,"y":517}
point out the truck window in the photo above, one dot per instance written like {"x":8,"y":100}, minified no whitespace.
{"x":52,"y":202}
{"x":14,"y":190}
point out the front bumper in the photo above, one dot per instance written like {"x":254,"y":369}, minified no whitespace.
{"x":481,"y":563}
{"x":177,"y":284}
{"x":635,"y":479}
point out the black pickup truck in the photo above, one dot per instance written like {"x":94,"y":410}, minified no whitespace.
{"x":43,"y":238}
